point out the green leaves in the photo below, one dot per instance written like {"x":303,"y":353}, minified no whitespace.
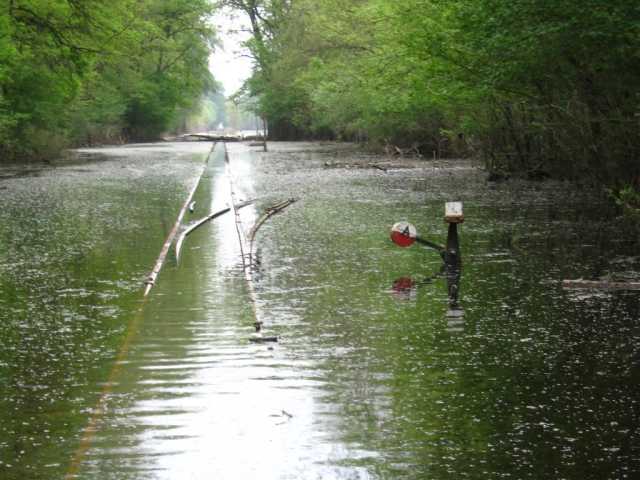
{"x":92,"y":71}
{"x":546,"y":86}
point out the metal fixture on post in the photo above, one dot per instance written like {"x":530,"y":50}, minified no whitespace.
{"x":405,"y":234}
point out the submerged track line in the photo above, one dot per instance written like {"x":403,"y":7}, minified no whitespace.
{"x":89,"y":431}
{"x":247,"y":241}
{"x":151,"y":279}
{"x":245,"y":248}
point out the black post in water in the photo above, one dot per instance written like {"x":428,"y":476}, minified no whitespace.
{"x":453,"y":264}
{"x":404,"y":234}
{"x":452,"y":255}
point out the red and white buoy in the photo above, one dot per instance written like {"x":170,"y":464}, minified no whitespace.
{"x":404,"y":234}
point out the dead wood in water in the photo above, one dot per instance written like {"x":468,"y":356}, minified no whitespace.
{"x":362,"y":166}
{"x":263,"y":339}
{"x":600,"y":284}
{"x":204,"y":220}
{"x":395,"y":150}
{"x":153,"y":276}
{"x":204,"y":137}
{"x":190,"y":229}
{"x":246,"y":243}
{"x":269,"y":212}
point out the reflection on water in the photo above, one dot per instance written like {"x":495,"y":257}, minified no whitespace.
{"x":405,"y":288}
{"x":531,"y":382}
{"x":76,"y":240}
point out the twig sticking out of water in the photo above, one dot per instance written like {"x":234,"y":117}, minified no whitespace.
{"x":269,"y":212}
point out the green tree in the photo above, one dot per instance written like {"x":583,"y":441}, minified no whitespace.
{"x":534,"y":86}
{"x":85,"y":71}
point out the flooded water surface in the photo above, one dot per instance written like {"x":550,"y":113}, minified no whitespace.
{"x":374,"y":375}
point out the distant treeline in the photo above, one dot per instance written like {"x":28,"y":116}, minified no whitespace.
{"x":538,"y":87}
{"x":91,"y":71}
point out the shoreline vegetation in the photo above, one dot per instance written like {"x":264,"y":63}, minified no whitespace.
{"x":533,"y":88}
{"x":88,"y":72}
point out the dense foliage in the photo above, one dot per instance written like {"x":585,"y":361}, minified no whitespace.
{"x":85,"y":71}
{"x":535,"y":86}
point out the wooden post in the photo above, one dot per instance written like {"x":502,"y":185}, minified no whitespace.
{"x":264,"y":134}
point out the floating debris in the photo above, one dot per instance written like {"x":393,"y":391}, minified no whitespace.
{"x":263,"y":339}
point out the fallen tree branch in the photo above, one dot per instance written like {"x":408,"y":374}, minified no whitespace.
{"x":205,"y":137}
{"x":269,"y":212}
{"x":363,"y":166}
{"x":263,"y":339}
{"x":600,"y":284}
{"x":202,"y":221}
{"x":152,"y":277}
{"x":246,"y":243}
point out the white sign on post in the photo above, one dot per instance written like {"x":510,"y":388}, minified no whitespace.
{"x":453,"y":212}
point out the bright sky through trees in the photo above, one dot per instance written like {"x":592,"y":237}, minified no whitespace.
{"x":229,"y":62}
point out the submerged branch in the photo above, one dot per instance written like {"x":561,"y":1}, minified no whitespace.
{"x":269,"y":212}
{"x":202,"y":221}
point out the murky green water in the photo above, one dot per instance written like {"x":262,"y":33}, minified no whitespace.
{"x":366,"y":382}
